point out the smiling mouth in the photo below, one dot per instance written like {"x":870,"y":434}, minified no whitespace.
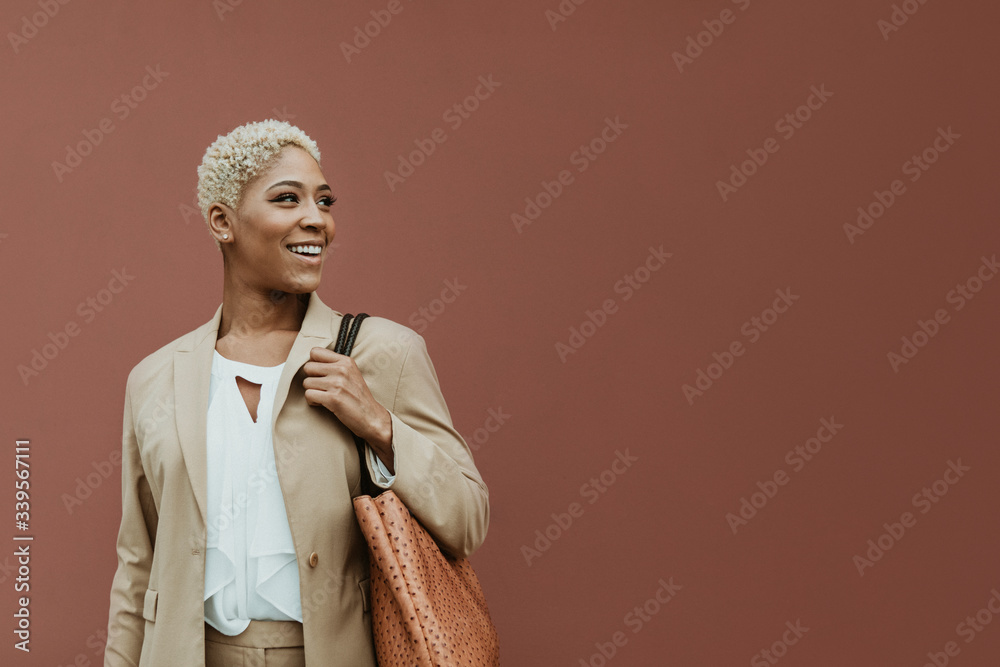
{"x":306,"y":250}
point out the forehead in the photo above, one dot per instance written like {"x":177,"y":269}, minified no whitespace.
{"x":291,"y":163}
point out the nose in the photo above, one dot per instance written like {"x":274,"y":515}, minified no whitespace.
{"x":315,"y":219}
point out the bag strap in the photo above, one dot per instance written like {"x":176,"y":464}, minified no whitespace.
{"x":344,"y":345}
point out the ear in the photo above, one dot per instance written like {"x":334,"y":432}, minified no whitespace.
{"x":220,"y":220}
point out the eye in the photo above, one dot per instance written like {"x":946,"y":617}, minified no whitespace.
{"x":284,"y":197}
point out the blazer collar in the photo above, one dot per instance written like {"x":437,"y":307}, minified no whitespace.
{"x":192,"y":377}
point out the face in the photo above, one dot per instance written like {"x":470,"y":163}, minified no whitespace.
{"x":282,"y":221}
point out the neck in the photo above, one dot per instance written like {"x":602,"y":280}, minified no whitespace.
{"x":248,"y":313}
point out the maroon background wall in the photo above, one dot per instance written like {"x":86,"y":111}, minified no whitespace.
{"x":749,"y":504}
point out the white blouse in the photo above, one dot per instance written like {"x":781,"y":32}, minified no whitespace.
{"x":250,"y":564}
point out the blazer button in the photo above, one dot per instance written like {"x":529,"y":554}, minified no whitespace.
{"x":313,"y":559}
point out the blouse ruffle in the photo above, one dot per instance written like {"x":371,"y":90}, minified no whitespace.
{"x":250,"y":563}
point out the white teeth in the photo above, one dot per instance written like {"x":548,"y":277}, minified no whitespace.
{"x":306,"y":249}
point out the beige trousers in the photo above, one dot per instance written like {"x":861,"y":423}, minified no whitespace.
{"x":262,"y":644}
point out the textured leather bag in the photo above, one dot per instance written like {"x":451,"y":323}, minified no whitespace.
{"x":428,"y":608}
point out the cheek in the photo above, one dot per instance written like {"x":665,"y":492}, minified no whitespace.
{"x":268,"y":244}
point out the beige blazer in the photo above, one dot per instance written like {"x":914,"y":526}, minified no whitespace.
{"x":157,"y":597}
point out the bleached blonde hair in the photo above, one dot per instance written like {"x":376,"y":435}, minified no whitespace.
{"x":235,"y":159}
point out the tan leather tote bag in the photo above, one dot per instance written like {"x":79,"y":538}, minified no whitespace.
{"x":428,"y":609}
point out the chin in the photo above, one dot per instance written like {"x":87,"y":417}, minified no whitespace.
{"x":305,"y":286}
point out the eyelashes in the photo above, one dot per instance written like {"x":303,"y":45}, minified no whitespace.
{"x":329,"y":199}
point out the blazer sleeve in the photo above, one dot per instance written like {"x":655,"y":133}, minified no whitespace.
{"x":436,"y":477}
{"x":136,"y":538}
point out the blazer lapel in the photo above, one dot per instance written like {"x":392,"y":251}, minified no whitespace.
{"x":193,"y":374}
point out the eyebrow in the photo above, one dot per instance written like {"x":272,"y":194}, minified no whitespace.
{"x":296,"y":184}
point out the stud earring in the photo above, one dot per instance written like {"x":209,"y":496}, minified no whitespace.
{"x":225,"y":236}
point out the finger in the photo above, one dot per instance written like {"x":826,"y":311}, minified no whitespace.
{"x":312,"y":383}
{"x":326,"y":383}
{"x":319,"y":368}
{"x":316,"y":397}
{"x":324,"y":354}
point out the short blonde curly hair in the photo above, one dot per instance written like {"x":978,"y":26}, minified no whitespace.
{"x":235,"y":159}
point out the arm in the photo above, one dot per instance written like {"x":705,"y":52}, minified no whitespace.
{"x":136,"y":537}
{"x":435,"y":475}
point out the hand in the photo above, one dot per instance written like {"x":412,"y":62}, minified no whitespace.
{"x":335,"y":382}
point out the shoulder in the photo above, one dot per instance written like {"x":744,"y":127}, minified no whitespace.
{"x":394,"y":361}
{"x":383,"y":330}
{"x":158,"y":364}
{"x":385,"y":341}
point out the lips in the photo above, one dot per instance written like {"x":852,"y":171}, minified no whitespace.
{"x":311,"y":259}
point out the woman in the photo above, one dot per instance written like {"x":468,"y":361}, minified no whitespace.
{"x":238,"y":541}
